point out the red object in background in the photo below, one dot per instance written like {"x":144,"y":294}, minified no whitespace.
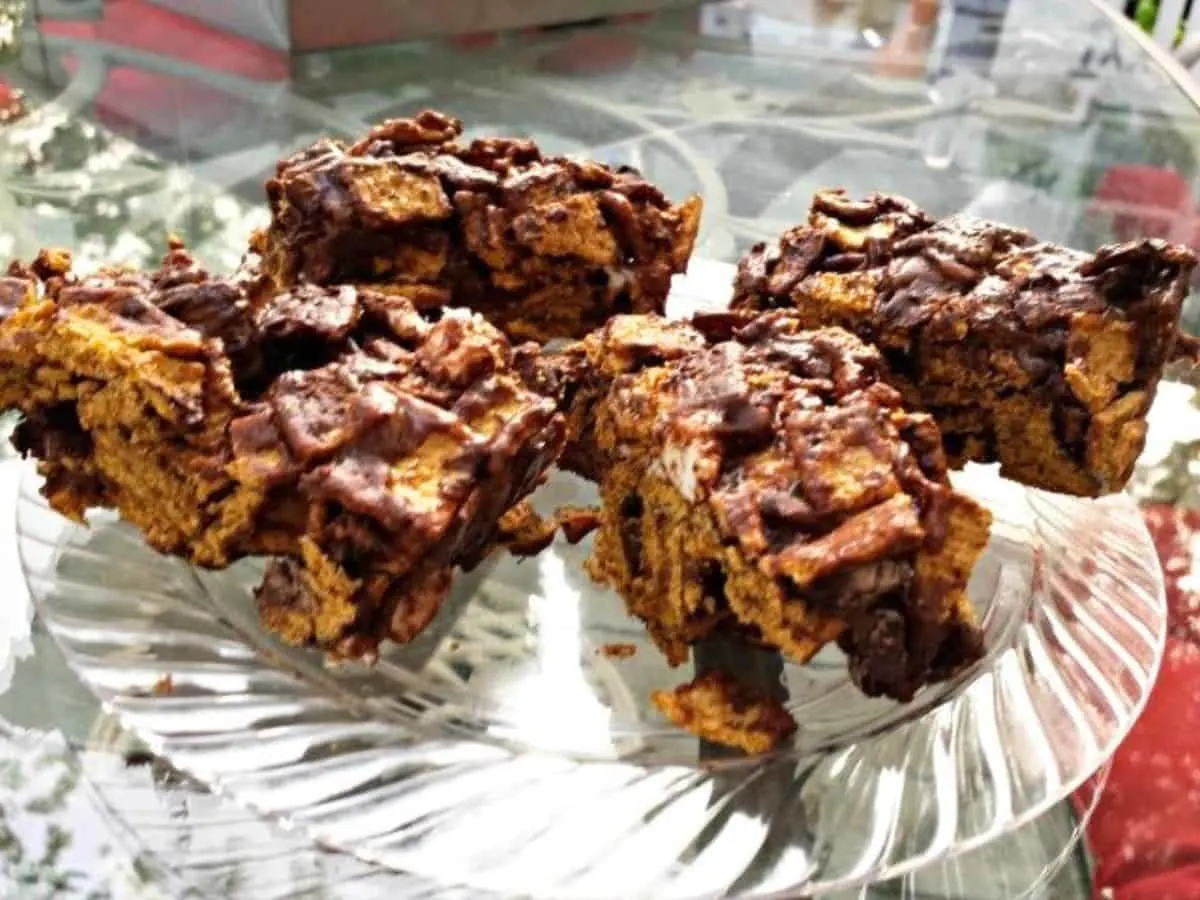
{"x":144,"y":26}
{"x":587,"y":53}
{"x":593,"y":52}
{"x":583,"y":51}
{"x":1145,"y":835}
{"x":1146,"y":201}
{"x":482,"y":41}
{"x":320,"y":25}
{"x":153,"y":100}
{"x":12,"y":103}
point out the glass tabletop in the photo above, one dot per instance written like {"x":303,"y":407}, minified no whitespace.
{"x":139,"y":122}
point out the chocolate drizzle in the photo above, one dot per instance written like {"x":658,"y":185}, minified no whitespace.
{"x":969,"y":313}
{"x":496,"y":224}
{"x":370,"y":445}
{"x":813,"y":473}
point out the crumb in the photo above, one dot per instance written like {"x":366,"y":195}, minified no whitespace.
{"x":526,"y":533}
{"x":618,"y":650}
{"x":716,"y":708}
{"x":577,"y":522}
{"x":164,"y":687}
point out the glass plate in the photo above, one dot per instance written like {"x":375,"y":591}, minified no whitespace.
{"x":504,"y":752}
{"x":192,"y":840}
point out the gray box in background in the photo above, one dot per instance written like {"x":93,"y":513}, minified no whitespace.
{"x":305,"y":25}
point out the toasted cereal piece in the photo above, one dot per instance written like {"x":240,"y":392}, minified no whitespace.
{"x":716,"y":708}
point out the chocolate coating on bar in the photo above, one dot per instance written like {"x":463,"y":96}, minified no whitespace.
{"x":772,"y":484}
{"x":372,"y":446}
{"x":543,"y":246}
{"x":1039,"y":357}
{"x":579,"y":376}
{"x":124,"y":405}
{"x":408,"y":454}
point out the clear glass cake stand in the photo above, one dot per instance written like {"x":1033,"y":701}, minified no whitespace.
{"x":503,"y":753}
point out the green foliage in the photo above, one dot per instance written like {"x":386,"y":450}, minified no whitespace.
{"x":1146,"y":14}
